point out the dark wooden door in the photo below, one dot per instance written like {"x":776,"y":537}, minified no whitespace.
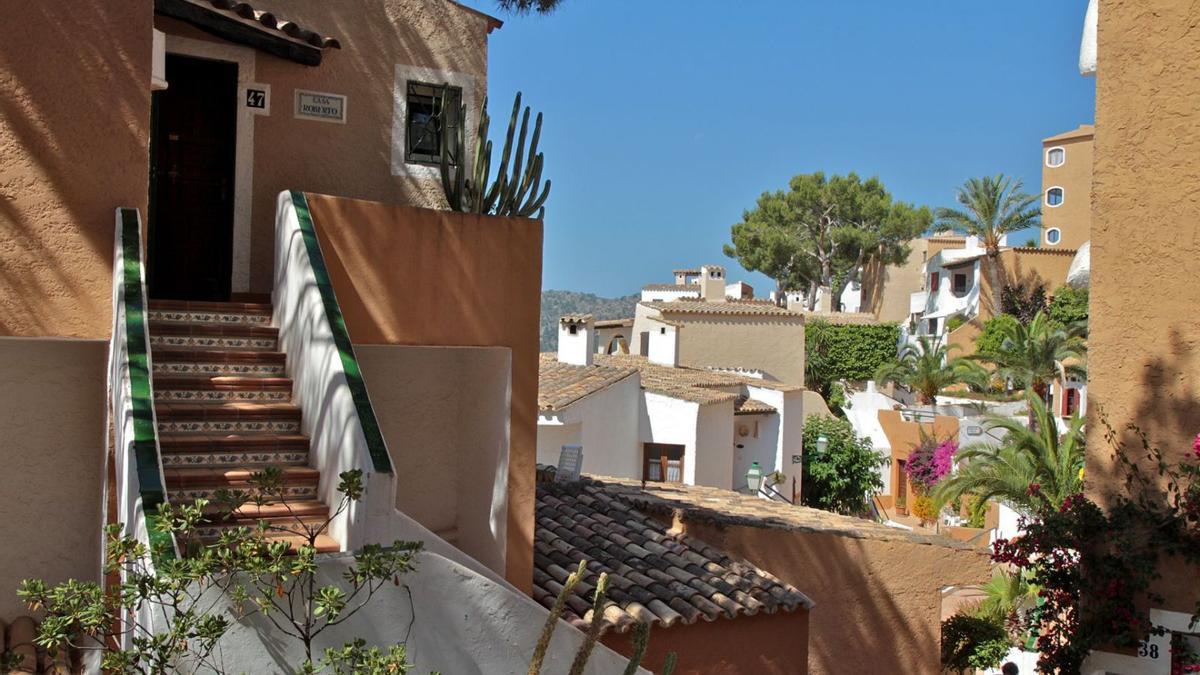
{"x":191,"y":212}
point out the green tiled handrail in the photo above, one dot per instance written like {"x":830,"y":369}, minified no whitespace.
{"x":341,"y":338}
{"x":145,"y":442}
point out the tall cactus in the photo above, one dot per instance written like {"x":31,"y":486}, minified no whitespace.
{"x":515,"y":191}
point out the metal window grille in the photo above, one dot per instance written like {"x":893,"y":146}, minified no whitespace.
{"x":430,"y":106}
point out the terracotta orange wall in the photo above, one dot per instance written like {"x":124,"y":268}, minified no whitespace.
{"x":878,"y":602}
{"x":1142,"y":354}
{"x":1074,"y":216}
{"x":763,"y":644}
{"x":74,"y":129}
{"x":351,"y":159}
{"x":411,"y":276}
{"x":903,"y":436}
{"x":1026,"y":266}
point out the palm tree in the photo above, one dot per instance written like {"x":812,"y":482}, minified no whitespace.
{"x":1036,"y":355}
{"x":1031,"y":469}
{"x":991,"y":207}
{"x":927,"y":368}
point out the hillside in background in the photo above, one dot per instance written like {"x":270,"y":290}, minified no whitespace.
{"x":557,"y":303}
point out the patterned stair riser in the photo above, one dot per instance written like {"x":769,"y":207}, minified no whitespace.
{"x":279,"y":526}
{"x":236,"y":458}
{"x":229,"y":426}
{"x":219,"y":368}
{"x":215,"y":341}
{"x":183,"y":495}
{"x":194,"y":316}
{"x":223,"y":395}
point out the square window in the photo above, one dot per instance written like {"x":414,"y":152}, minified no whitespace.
{"x":960,"y":283}
{"x":428,"y":114}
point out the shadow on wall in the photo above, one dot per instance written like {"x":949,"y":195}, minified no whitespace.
{"x":62,"y":173}
{"x":1167,"y":409}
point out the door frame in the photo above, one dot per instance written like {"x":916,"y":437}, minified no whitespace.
{"x":243,"y":163}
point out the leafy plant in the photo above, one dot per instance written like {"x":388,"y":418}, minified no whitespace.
{"x":990,"y":339}
{"x":971,"y":642}
{"x":514,"y":193}
{"x":927,"y":369}
{"x":955,"y":322}
{"x":1108,"y":559}
{"x":923,"y":509}
{"x":1037,"y":354}
{"x":930,"y":462}
{"x":1032,"y":469}
{"x":260,"y":574}
{"x":1022,"y":302}
{"x":1069,"y":306}
{"x":843,"y":477}
{"x":846,"y":352}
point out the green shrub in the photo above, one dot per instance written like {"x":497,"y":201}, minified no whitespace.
{"x":837,"y":399}
{"x":1069,"y":305}
{"x":954,"y":322}
{"x":972,"y":642}
{"x":843,"y":477}
{"x":850,"y":352}
{"x":988,"y":343}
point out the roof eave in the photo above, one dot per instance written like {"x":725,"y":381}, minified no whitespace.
{"x":226,"y":27}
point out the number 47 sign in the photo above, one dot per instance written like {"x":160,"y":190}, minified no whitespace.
{"x":256,"y":98}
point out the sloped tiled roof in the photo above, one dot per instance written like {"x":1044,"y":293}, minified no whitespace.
{"x":271,"y":22}
{"x":575,"y":318}
{"x":614,"y":323}
{"x":561,"y":384}
{"x":655,"y":577}
{"x":748,"y":406}
{"x":696,"y":385}
{"x":729,"y":307}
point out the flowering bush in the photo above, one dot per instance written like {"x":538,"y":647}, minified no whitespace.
{"x":930,"y":462}
{"x":1113,"y":554}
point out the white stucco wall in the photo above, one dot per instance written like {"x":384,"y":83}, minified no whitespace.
{"x":662,"y":295}
{"x":663,"y":419}
{"x":760,"y":444}
{"x":463,"y":623}
{"x":605,"y":423}
{"x":944,"y":303}
{"x":714,"y":446}
{"x":863,"y":415}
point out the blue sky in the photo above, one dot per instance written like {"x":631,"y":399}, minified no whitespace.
{"x":665,"y":119}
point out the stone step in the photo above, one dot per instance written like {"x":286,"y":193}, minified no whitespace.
{"x":229,"y":336}
{"x":185,"y":360}
{"x":299,"y":483}
{"x":215,"y":450}
{"x":173,"y":387}
{"x":285,"y":524}
{"x":227,"y":417}
{"x":192,"y":311}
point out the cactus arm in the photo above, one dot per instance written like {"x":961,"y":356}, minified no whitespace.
{"x":594,"y":627}
{"x":669,"y":663}
{"x":543,"y":643}
{"x":640,"y":640}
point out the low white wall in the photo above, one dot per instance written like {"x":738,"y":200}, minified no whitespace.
{"x":461,"y":623}
{"x":552,"y":434}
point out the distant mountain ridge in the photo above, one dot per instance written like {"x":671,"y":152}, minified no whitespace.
{"x":557,"y":303}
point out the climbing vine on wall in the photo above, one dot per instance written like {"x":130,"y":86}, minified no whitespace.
{"x":852,"y":352}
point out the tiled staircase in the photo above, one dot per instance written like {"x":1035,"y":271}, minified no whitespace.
{"x":224,"y":407}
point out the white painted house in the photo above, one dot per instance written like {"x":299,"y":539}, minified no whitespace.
{"x":648,"y":418}
{"x":952,"y":285}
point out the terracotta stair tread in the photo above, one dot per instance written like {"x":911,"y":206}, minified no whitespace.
{"x":193,"y":441}
{"x":226,"y":410}
{"x":160,"y":327}
{"x":278,"y":509}
{"x":222,"y":476}
{"x":166,"y":353}
{"x":210,"y":306}
{"x":207,"y":381}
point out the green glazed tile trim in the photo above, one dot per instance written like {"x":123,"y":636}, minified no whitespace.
{"x":341,"y":337}
{"x":145,"y":445}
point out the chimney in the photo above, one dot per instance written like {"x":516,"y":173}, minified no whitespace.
{"x":664,"y":345}
{"x":712,"y":283}
{"x":794,"y":301}
{"x":575,"y":339}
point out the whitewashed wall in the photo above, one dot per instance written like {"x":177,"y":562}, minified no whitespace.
{"x":663,"y":419}
{"x":714,"y":446}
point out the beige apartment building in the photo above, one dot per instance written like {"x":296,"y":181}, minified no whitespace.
{"x":1067,"y":188}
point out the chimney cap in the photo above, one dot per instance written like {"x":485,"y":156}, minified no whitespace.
{"x":568,"y":319}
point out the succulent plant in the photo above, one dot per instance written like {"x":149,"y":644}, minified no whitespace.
{"x":515,"y":191}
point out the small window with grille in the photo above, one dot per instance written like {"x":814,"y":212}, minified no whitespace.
{"x":427,"y":113}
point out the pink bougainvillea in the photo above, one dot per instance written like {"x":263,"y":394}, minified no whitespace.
{"x":930,"y":462}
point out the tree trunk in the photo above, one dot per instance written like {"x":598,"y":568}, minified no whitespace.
{"x":993,"y":260}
